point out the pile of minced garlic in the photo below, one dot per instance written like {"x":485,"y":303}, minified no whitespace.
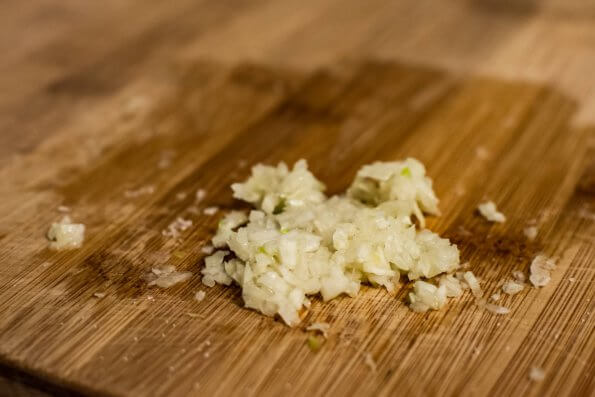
{"x":297,"y":242}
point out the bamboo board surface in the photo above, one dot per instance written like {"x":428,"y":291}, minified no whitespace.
{"x":120,"y":121}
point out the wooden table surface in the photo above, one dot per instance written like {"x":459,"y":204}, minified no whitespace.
{"x":497,"y":98}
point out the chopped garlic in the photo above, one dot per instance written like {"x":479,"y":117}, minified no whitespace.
{"x":314,"y":343}
{"x":99,"y":295}
{"x":167,"y":276}
{"x":370,"y":362}
{"x":176,"y":227}
{"x":426,"y":296}
{"x":145,"y":190}
{"x":199,"y":296}
{"x":323,"y":328}
{"x":530,"y":232}
{"x":540,"y":270}
{"x":473,"y":283}
{"x":65,"y":235}
{"x":496,"y":309}
{"x":200,"y":195}
{"x":298,"y":243}
{"x":519,"y":276}
{"x":512,"y":287}
{"x":536,"y":374}
{"x":452,"y":285}
{"x":489,"y":211}
{"x":401,"y":182}
{"x":210,"y":210}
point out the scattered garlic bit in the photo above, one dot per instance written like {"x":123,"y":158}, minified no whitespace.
{"x":460,"y":276}
{"x":489,"y":211}
{"x":63,"y":209}
{"x":99,"y":295}
{"x":426,"y":296}
{"x":540,"y":270}
{"x":297,"y":242}
{"x":181,"y":196}
{"x":167,"y":276}
{"x":179,"y":225}
{"x":496,"y":297}
{"x":370,"y":362}
{"x":452,"y":286}
{"x":496,"y":309}
{"x":210,"y":210}
{"x":65,"y":235}
{"x":473,"y":283}
{"x":200,"y":195}
{"x":207,"y":249}
{"x":519,"y":276}
{"x":530,"y":232}
{"x":140,"y":191}
{"x":199,"y":296}
{"x":512,"y":287}
{"x":166,"y":269}
{"x":314,"y":342}
{"x":320,"y":327}
{"x":536,"y":374}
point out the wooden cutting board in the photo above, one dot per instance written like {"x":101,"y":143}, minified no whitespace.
{"x":480,"y":139}
{"x":127,"y":167}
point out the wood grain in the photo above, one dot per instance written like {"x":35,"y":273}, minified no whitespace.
{"x":163,"y":101}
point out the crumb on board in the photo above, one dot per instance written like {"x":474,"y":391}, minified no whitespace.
{"x":530,"y":232}
{"x":489,"y":211}
{"x":314,"y":342}
{"x":181,"y":196}
{"x":512,"y":287}
{"x":519,"y":276}
{"x":540,"y":270}
{"x":323,"y":328}
{"x":496,"y":297}
{"x":142,"y":191}
{"x":65,"y":235}
{"x":63,"y":209}
{"x":99,"y":295}
{"x":167,"y":276}
{"x":199,"y":296}
{"x":496,"y":309}
{"x":200,"y":195}
{"x":176,"y":227}
{"x":370,"y":362}
{"x":473,"y":283}
{"x":536,"y":374}
{"x":211,"y":210}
